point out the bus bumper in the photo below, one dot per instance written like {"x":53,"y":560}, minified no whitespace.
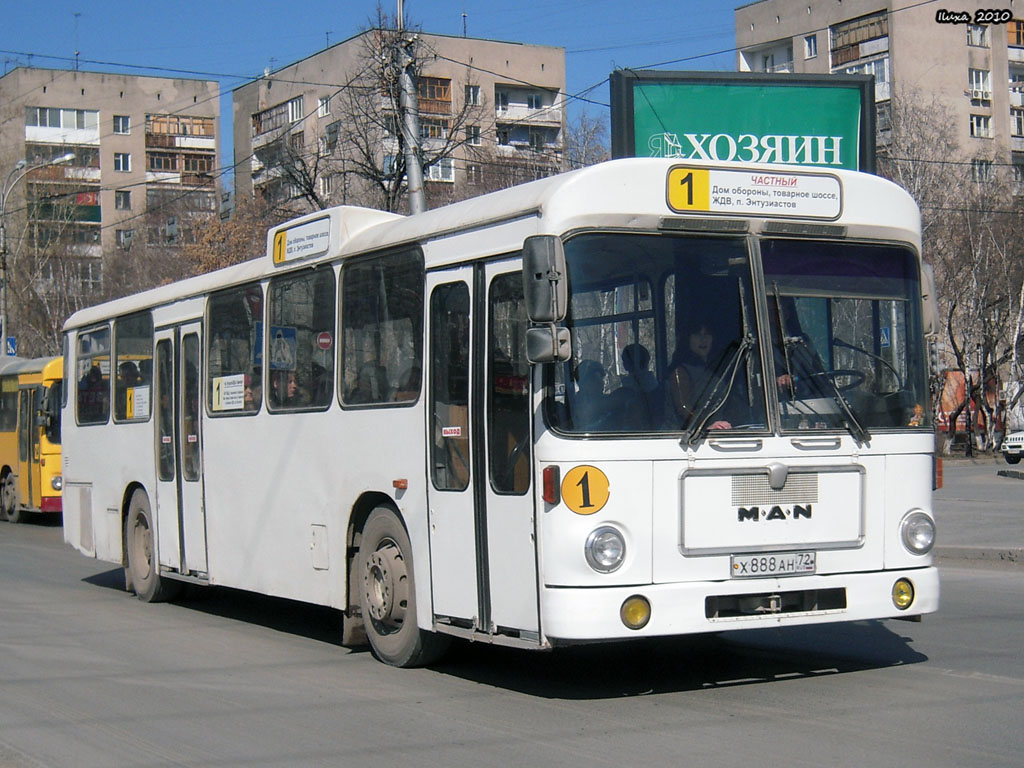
{"x":585,"y":614}
{"x":50,"y":504}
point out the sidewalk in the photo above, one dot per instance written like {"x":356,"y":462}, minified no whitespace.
{"x":979,"y":512}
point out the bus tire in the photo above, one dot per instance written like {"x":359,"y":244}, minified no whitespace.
{"x":143,"y":569}
{"x":12,"y":511}
{"x":387,"y":595}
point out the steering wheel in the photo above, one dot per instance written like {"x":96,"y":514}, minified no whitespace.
{"x":856,"y":377}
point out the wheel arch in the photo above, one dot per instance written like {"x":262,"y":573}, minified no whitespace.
{"x":126,"y":502}
{"x":360,"y":513}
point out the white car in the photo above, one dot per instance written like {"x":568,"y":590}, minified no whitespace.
{"x":1013,"y":447}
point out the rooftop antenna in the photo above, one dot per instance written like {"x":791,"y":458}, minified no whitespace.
{"x":464,"y":23}
{"x":76,"y":15}
{"x":327,"y":35}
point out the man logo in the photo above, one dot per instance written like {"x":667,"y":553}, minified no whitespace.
{"x":754,"y":514}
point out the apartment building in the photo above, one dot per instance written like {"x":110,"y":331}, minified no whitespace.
{"x":144,"y":171}
{"x":491,"y":114}
{"x":936,"y":54}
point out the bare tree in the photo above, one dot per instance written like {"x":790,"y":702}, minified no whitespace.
{"x":242,"y":236}
{"x":587,"y":141}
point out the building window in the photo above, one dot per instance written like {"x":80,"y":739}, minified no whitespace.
{"x":122,"y":124}
{"x":50,"y":117}
{"x":1018,"y":174}
{"x":848,"y":35}
{"x":473,"y":135}
{"x":501,"y":101}
{"x":124,"y":238}
{"x":442,"y":170}
{"x":810,"y":46}
{"x":1015,"y":34}
{"x":503,"y":137}
{"x":433,"y":128}
{"x":474,"y":173}
{"x":981,"y":126}
{"x":123,"y":199}
{"x":323,"y":107}
{"x":295,"y":109}
{"x":981,"y":171}
{"x":473,"y":95}
{"x":1017,"y":122}
{"x":981,"y":84}
{"x":533,"y":101}
{"x":123,"y":162}
{"x":977,"y":35}
{"x":326,"y":185}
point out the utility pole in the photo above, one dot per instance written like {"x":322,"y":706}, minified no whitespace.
{"x":409,"y":106}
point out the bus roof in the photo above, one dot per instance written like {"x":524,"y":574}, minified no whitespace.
{"x":634,"y":187}
{"x":18,"y":365}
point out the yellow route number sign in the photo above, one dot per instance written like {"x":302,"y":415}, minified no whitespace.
{"x":585,"y":489}
{"x":689,"y":189}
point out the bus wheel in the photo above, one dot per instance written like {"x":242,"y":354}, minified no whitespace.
{"x":143,"y":572}
{"x":10,"y":500}
{"x":387,"y":595}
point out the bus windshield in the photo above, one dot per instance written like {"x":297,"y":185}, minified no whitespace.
{"x":844,"y":320}
{"x":664,"y":336}
{"x":666,"y":339}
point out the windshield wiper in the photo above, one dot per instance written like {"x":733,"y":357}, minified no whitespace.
{"x":852,"y":423}
{"x":703,"y":412}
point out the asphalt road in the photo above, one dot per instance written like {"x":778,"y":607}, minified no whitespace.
{"x":89,"y":676}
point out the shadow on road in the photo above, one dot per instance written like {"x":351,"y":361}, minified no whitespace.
{"x":608,"y":670}
{"x":301,"y":619}
{"x":698,"y":662}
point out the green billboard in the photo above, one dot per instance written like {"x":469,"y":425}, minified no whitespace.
{"x":823,"y":121}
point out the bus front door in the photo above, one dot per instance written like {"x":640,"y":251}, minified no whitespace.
{"x":181,"y":516}
{"x":483,"y":557}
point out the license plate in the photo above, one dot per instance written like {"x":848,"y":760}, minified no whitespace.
{"x":780,"y":564}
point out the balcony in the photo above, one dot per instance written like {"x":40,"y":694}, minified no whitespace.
{"x":517,"y":113}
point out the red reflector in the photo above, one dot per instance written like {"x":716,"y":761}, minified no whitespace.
{"x":937,"y":481}
{"x":401,"y":483}
{"x":550,"y":475}
{"x":50,"y":504}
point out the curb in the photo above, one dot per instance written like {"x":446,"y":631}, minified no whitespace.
{"x":1016,"y":473}
{"x":1011,"y":557}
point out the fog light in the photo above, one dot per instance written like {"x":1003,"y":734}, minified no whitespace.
{"x":635,"y":612}
{"x":902,"y":594}
{"x":605,"y":549}
{"x":917,"y":530}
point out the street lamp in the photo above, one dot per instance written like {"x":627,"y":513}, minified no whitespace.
{"x":21,"y":168}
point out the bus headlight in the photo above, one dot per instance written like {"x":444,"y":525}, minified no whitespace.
{"x":56,"y":482}
{"x":902,"y":594}
{"x":917,"y":530}
{"x":605,"y":549}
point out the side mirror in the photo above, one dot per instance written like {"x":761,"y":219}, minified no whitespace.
{"x":930,"y":305}
{"x":548,"y":344}
{"x":544,"y":279}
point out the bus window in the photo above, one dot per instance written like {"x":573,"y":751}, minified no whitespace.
{"x":133,"y":351}
{"x":54,"y":396}
{"x":235,"y":352}
{"x":93,"y":375}
{"x":301,"y":351}
{"x":8,"y":403}
{"x":449,"y":391}
{"x":165,"y":410}
{"x":382,"y":325}
{"x":190,"y":408}
{"x":509,"y":402}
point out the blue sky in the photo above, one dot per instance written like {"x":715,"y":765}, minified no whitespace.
{"x":233,"y":41}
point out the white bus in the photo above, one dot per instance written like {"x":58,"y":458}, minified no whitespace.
{"x":643,"y":398}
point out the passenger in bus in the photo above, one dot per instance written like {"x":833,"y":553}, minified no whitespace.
{"x":253,"y":393}
{"x":371,"y":385}
{"x":590,"y":408}
{"x":693,"y":374}
{"x":127,"y":378}
{"x":285,"y":391}
{"x":649,"y":396}
{"x":93,"y":396}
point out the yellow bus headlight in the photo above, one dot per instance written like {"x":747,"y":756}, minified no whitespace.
{"x":902,"y":594}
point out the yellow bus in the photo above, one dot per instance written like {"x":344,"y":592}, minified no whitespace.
{"x":30,"y":457}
